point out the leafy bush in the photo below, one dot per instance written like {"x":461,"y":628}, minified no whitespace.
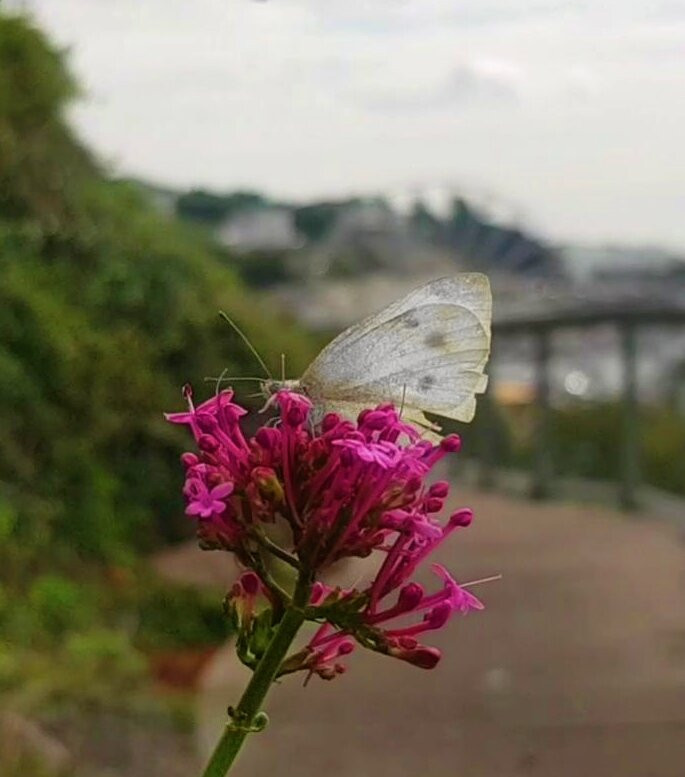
{"x":89,"y":640}
{"x":180,"y":617}
{"x":58,"y":604}
{"x":97,"y":656}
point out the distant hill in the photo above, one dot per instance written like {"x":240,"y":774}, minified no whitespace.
{"x":358,"y":235}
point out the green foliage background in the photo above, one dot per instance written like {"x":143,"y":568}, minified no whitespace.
{"x":106,"y":308}
{"x":585,"y":441}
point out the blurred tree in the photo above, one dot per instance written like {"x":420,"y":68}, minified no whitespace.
{"x":315,"y":221}
{"x":425,"y":222}
{"x":212,"y":209}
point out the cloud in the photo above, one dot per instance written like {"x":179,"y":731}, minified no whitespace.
{"x":668,"y":10}
{"x":486,"y":80}
{"x":581,"y":82}
{"x":409,"y":16}
{"x":472,"y":84}
{"x":582,"y":100}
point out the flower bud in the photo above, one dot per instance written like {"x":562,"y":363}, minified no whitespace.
{"x":376,"y":419}
{"x":461,"y":517}
{"x":439,"y":490}
{"x":250,"y":583}
{"x":410,"y":597}
{"x":189,"y":460}
{"x":207,"y":443}
{"x":268,"y":438}
{"x":424,"y":657}
{"x":318,"y":594}
{"x":413,"y":483}
{"x":451,"y":443}
{"x":329,"y":422}
{"x":438,"y":616}
{"x":269,"y":485}
{"x":433,"y":504}
{"x":294,"y":408}
{"x":346,"y":647}
{"x":363,"y":415}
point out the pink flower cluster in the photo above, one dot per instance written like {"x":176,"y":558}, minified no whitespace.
{"x":332,"y":640}
{"x":344,"y":490}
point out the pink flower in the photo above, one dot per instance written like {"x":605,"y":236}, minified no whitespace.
{"x":342,"y":490}
{"x":205,"y":503}
{"x":458,"y":598}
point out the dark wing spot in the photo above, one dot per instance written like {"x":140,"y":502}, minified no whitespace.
{"x":435,"y":340}
{"x":411,"y":322}
{"x":426,"y":382}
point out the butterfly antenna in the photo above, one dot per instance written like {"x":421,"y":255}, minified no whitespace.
{"x":404,"y":394}
{"x":247,"y":342}
{"x":219,"y":381}
{"x":223,"y":379}
{"x":283,"y":367}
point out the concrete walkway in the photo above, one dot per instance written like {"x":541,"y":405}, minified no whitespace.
{"x":576,"y":667}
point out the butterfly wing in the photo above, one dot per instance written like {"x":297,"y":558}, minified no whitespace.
{"x":426,"y":352}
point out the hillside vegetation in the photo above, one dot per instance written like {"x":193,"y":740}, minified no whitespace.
{"x":106,"y":308}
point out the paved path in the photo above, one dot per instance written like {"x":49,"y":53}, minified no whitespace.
{"x":576,"y":667}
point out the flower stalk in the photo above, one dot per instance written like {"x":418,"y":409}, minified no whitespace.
{"x":244,"y":718}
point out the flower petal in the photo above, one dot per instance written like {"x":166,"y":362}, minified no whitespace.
{"x":222,"y":490}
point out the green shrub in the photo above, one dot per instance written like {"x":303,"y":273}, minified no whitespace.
{"x":99,"y":657}
{"x":585,"y":441}
{"x":59,"y":605}
{"x":663,"y":450}
{"x":179,"y":617}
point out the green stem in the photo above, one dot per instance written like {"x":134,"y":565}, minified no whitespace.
{"x":249,"y":705}
{"x":277,"y":550}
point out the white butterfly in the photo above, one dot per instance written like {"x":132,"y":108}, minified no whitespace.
{"x":425,"y":353}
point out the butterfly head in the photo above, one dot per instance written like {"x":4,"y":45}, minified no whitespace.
{"x":272,"y":386}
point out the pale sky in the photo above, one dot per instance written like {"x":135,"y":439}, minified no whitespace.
{"x":572,"y":114}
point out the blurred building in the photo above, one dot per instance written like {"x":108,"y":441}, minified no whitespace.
{"x":367,"y":237}
{"x":260,"y":229}
{"x":619,"y":264}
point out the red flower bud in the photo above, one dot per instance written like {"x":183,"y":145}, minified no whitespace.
{"x":440,"y":489}
{"x":410,"y":596}
{"x":461,"y":517}
{"x":207,"y":443}
{"x":423,"y":656}
{"x":451,"y":443}
{"x":433,"y":505}
{"x":189,"y":460}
